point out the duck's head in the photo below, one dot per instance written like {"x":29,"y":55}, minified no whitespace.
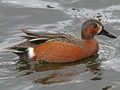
{"x":92,"y":27}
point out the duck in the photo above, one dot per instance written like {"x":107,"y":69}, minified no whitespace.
{"x":61,"y":47}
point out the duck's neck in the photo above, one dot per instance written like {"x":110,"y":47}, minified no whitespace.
{"x":89,"y":47}
{"x":87,"y":36}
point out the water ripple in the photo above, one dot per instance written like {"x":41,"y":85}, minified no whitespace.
{"x":7,"y":63}
{"x":113,"y":58}
{"x":33,"y":3}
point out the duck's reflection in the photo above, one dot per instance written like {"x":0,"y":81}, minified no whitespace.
{"x":49,"y":73}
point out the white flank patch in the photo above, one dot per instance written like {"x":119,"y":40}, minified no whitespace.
{"x":30,"y":52}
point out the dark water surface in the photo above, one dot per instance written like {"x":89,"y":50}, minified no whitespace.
{"x":99,"y":72}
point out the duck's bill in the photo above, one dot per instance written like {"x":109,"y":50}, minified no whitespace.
{"x":106,"y":33}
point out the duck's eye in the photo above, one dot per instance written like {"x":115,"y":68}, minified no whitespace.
{"x":95,"y":26}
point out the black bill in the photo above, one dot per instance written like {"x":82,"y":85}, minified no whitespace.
{"x":106,"y":33}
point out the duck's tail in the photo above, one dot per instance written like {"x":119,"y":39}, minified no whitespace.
{"x":22,"y":52}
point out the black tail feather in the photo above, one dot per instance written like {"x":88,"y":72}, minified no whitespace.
{"x":22,"y":52}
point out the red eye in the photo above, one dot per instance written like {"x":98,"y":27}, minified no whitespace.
{"x":95,"y":26}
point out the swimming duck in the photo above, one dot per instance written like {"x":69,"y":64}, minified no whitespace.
{"x":61,"y":48}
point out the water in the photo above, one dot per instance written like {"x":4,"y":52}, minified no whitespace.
{"x":99,"y":72}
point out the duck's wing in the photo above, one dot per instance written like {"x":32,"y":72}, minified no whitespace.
{"x":37,"y":38}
